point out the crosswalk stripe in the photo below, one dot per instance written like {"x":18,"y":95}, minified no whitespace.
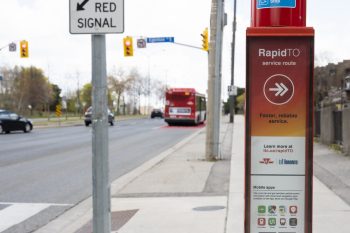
{"x":18,"y":203}
{"x":17,"y":213}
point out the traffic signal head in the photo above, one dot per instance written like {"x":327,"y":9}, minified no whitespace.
{"x":205,"y":42}
{"x":128,"y":47}
{"x":24,"y":49}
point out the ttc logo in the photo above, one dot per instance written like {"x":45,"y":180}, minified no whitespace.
{"x":266,"y":161}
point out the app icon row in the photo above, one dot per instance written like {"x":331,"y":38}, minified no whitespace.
{"x":272,"y":209}
{"x":273,"y":222}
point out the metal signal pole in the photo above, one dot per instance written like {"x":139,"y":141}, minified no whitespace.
{"x":100,"y":164}
{"x":232,"y":97}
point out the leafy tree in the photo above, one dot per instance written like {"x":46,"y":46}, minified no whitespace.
{"x":86,"y":94}
{"x":7,"y":87}
{"x":55,"y":97}
{"x":31,"y":89}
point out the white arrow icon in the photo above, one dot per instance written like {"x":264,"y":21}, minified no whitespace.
{"x":280,"y":89}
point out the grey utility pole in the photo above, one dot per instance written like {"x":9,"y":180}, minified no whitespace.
{"x":232,"y":97}
{"x":214,"y":81}
{"x":100,"y":170}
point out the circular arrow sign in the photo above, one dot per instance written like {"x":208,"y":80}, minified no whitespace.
{"x":141,"y":43}
{"x":278,"y":89}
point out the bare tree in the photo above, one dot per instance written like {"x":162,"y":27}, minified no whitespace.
{"x":136,"y":88}
{"x":159,"y":88}
{"x":118,"y":84}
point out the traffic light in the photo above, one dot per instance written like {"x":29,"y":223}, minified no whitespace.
{"x":205,"y":45}
{"x":128,"y":48}
{"x":24,"y":49}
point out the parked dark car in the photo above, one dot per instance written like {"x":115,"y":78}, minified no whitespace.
{"x":10,"y":121}
{"x":156,"y":113}
{"x":88,"y":117}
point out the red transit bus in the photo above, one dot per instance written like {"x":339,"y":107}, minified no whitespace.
{"x":184,"y":106}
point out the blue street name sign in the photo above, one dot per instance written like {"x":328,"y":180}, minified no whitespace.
{"x":160,"y":40}
{"x":276,"y":4}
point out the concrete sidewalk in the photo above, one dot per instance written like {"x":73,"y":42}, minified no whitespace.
{"x":174,"y":193}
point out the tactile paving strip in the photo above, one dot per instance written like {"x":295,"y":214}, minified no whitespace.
{"x":118,"y":219}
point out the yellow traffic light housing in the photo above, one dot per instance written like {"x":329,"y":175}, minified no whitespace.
{"x":205,"y":44}
{"x":24,"y":53}
{"x":128,"y":47}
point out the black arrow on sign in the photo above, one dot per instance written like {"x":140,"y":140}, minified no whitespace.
{"x":80,"y":7}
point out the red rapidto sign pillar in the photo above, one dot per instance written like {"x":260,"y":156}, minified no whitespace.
{"x":279,"y":125}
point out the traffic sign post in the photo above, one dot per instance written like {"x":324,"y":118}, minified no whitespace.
{"x":279,"y":139}
{"x":59,"y":113}
{"x":100,"y":163}
{"x":96,"y":16}
{"x":58,"y":110}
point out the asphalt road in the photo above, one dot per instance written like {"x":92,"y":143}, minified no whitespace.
{"x":53,"y":165}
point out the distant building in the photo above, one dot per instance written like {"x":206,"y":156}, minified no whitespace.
{"x":332,"y":84}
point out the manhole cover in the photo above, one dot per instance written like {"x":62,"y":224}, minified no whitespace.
{"x":209,"y":208}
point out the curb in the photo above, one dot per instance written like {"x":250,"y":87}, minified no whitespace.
{"x":235,"y":200}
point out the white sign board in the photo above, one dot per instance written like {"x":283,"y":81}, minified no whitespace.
{"x":232,"y":90}
{"x":12,"y":47}
{"x":96,"y":16}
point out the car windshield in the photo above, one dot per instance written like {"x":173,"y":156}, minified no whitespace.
{"x":89,"y":110}
{"x":13,"y":116}
{"x":4,"y":115}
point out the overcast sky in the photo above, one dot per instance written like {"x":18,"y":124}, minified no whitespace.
{"x":66,"y":58}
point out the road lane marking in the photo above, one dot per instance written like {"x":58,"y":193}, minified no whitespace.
{"x":16,"y":213}
{"x":50,"y":204}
